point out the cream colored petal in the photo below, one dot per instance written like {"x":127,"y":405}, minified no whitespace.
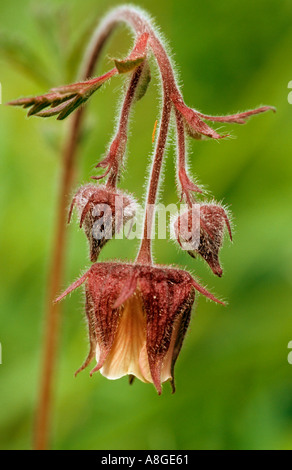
{"x":124,"y":356}
{"x":144,"y":364}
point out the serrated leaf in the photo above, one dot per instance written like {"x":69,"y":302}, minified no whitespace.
{"x":72,"y":105}
{"x":37,"y":107}
{"x":62,"y":100}
{"x":54,"y":110}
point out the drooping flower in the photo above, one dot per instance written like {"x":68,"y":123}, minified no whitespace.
{"x":138,"y":316}
{"x":102,"y":213}
{"x":200,"y":230}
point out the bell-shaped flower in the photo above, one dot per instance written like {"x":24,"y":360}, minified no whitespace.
{"x":138,"y":316}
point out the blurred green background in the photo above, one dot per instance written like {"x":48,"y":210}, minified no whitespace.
{"x":234,"y":382}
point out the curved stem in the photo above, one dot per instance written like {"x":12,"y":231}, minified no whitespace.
{"x":140,"y":25}
{"x":135,"y":19}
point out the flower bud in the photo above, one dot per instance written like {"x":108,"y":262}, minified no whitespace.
{"x":200,"y":230}
{"x":102,"y":213}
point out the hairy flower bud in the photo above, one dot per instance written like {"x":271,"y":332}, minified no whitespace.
{"x":200,"y":230}
{"x":102,"y":213}
{"x":138,"y":316}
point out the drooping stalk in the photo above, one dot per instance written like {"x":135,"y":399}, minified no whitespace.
{"x":136,"y":21}
{"x":170,"y":87}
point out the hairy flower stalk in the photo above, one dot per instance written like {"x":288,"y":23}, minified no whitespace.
{"x":187,"y":186}
{"x":113,"y":160}
{"x":137,"y":313}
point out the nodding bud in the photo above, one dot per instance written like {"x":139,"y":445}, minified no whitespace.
{"x":200,"y":230}
{"x":102,"y":212}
